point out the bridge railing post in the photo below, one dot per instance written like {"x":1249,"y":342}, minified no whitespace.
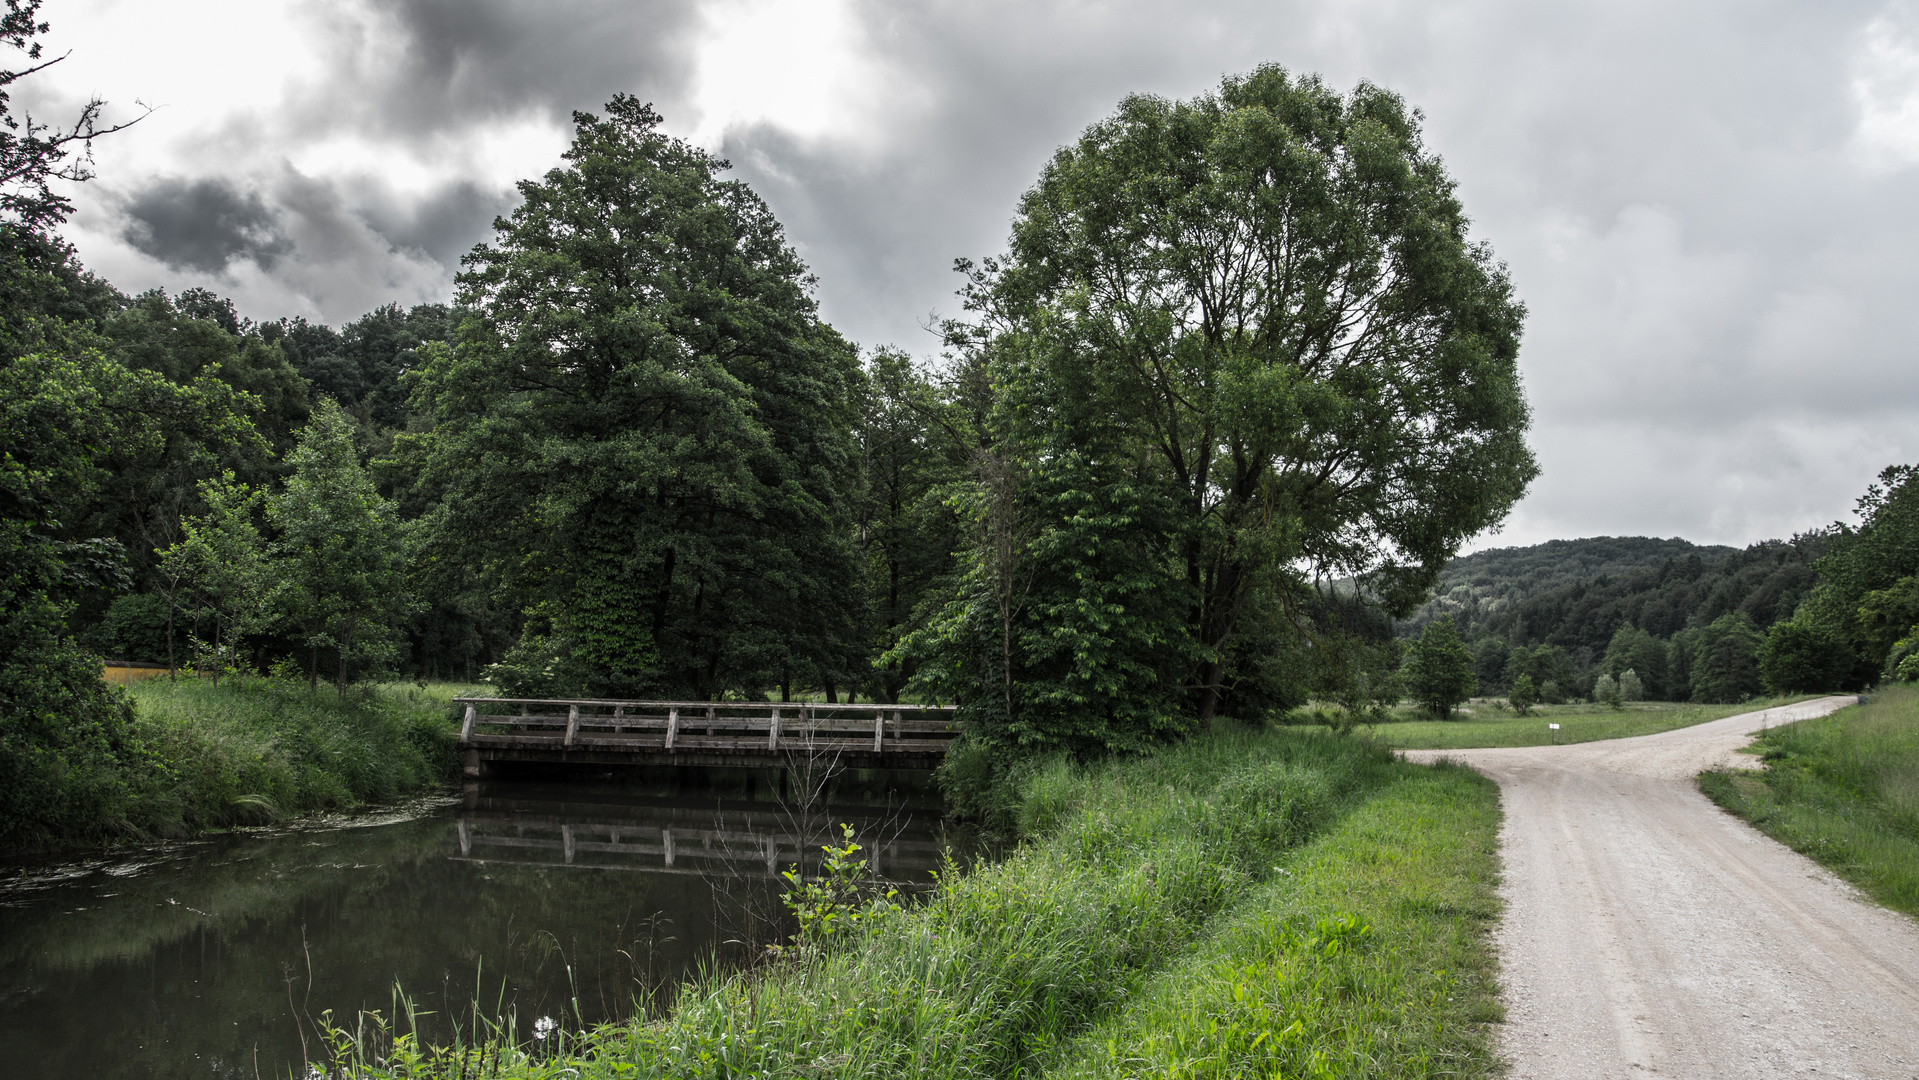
{"x":466,"y":729}
{"x":672,"y":730}
{"x":572,"y":724}
{"x":773,"y":732}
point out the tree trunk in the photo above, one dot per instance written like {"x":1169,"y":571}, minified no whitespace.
{"x":173,"y":673}
{"x":1209,"y":695}
{"x":832,"y":698}
{"x":346,"y":644}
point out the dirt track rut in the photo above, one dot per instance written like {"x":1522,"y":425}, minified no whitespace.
{"x":1648,"y":933}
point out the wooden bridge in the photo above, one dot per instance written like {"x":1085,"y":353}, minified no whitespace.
{"x":727,"y":733}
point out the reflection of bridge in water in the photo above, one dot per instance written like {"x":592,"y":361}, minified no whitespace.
{"x":705,"y":841}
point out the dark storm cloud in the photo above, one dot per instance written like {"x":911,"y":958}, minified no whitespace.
{"x":1720,"y":331}
{"x":204,"y":225}
{"x":988,"y":93}
{"x":444,"y":224}
{"x":450,"y":63}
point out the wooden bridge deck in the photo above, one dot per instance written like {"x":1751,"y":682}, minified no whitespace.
{"x":735,"y":733}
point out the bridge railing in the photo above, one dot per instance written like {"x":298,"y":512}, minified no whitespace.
{"x":728,"y":726}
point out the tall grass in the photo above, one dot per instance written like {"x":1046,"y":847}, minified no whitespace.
{"x":252,"y":750}
{"x":1152,"y":887}
{"x":1843,"y":789}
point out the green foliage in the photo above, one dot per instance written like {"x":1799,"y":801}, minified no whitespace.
{"x":914,"y":447}
{"x":1066,"y":637}
{"x":841,"y":900}
{"x":1636,"y":650}
{"x":1523,"y":696}
{"x":1843,"y":789}
{"x":1439,"y":669}
{"x":643,"y":434}
{"x":1724,"y":660}
{"x":1868,"y":595}
{"x":339,"y":556}
{"x":1630,"y":688}
{"x":1234,"y":876}
{"x":1801,"y":655}
{"x":1606,"y":690}
{"x":1578,"y":594}
{"x":65,"y":747}
{"x":222,"y":556}
{"x":1902,"y":662}
{"x":253,"y":749}
{"x":1246,"y":407}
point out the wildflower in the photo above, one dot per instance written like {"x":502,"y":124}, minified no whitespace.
{"x":544,"y":1026}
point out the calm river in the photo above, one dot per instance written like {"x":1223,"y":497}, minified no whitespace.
{"x":563,"y":899}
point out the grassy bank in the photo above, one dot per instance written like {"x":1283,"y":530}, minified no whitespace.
{"x":200,"y":756}
{"x":1245,"y":904}
{"x":1493,"y":725}
{"x":1843,"y":789}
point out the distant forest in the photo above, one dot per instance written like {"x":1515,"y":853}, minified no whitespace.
{"x":1570,"y":612}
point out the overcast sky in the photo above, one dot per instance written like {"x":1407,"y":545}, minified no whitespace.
{"x":1710,"y":209}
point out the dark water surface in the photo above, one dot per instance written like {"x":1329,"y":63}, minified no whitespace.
{"x":560,"y":898}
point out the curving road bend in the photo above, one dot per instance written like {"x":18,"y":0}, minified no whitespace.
{"x":1648,"y":933}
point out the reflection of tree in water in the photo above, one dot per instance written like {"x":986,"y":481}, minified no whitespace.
{"x":748,"y":909}
{"x":100,"y":975}
{"x":730,"y":853}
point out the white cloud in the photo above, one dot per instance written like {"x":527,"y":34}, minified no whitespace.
{"x":805,"y":67}
{"x":1885,"y":85}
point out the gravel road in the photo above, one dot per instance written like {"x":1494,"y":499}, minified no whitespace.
{"x":1649,"y":933}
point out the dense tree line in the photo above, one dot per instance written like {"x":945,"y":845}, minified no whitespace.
{"x":1631,"y":617}
{"x":1237,"y":392}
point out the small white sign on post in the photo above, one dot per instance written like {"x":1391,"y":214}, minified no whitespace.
{"x":1555,"y":727}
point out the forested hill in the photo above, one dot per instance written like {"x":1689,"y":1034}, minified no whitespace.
{"x":1578,"y":593}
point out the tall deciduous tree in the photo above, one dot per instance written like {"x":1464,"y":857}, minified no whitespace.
{"x":1439,"y":669}
{"x":222,"y":555}
{"x":340,"y":554}
{"x":645,"y":432}
{"x":1724,"y":660}
{"x":1273,"y":293}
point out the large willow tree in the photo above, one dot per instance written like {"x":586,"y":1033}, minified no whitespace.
{"x":644,"y":434}
{"x":1249,"y":338}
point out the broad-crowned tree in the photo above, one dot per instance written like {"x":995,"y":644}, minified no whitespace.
{"x":1439,"y":669}
{"x":644,"y":433}
{"x":1523,"y":696}
{"x":1274,"y":288}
